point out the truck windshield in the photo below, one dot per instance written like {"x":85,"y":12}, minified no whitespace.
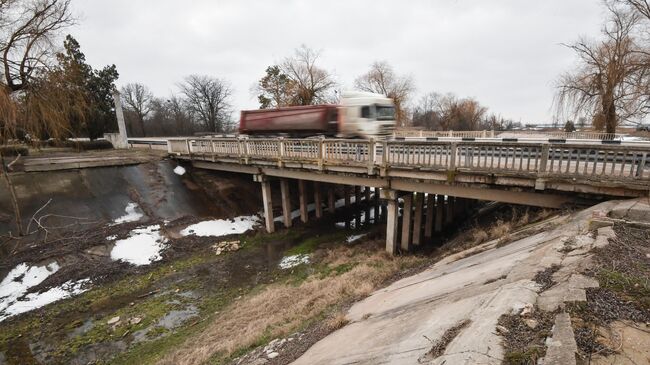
{"x":385,"y":112}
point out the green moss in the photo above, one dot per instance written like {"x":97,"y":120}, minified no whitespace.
{"x":310,"y":244}
{"x":631,"y":287}
{"x":527,"y":357}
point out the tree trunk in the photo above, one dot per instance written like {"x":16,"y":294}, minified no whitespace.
{"x":12,"y":191}
{"x":609,"y":111}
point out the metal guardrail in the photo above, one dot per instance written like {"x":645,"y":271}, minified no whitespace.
{"x":610,"y":162}
{"x":516,"y":134}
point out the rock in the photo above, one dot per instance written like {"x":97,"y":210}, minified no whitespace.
{"x":502,"y":330}
{"x":526,"y":310}
{"x":113,"y":320}
{"x":272,"y":355}
{"x":135,"y":320}
{"x":531,"y":323}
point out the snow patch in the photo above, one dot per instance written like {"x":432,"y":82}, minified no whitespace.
{"x":179,"y":170}
{"x":356,"y":237}
{"x":37,"y":300}
{"x":222,"y":227}
{"x":132,"y":215}
{"x":293,"y":261}
{"x":18,"y":282}
{"x":142,"y":247}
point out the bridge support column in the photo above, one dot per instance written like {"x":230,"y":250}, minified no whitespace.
{"x":318,"y":201}
{"x":302,"y":197}
{"x":366,"y":198}
{"x":392,"y":220}
{"x":428,"y":225}
{"x":266,"y":200}
{"x":286,"y":202}
{"x":417,"y":219}
{"x":377,"y":205}
{"x":440,"y":205}
{"x":357,"y":194}
{"x":406,"y":222}
{"x":331,"y":205}
{"x":346,"y":196}
{"x":449,"y":214}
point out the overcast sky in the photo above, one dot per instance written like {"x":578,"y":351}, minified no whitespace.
{"x":506,"y":54}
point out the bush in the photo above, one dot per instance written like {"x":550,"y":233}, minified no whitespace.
{"x":13,"y":150}
{"x":91,"y":145}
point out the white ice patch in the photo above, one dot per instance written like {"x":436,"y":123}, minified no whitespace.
{"x":37,"y":300}
{"x":19,"y":280}
{"x":142,"y":247}
{"x":179,"y":170}
{"x":293,"y":261}
{"x":132,"y":215}
{"x":355,"y":237}
{"x":111,"y":238}
{"x":222,"y":227}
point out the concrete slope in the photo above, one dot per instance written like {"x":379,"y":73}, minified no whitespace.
{"x":398,"y":324}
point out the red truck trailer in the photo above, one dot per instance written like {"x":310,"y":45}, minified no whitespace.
{"x":295,"y":121}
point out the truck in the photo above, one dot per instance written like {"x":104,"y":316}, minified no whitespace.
{"x":358,"y":115}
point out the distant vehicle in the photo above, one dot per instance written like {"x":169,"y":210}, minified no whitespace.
{"x":643,"y":128}
{"x":359,"y":115}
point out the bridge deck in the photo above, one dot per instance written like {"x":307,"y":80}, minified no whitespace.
{"x":598,"y":165}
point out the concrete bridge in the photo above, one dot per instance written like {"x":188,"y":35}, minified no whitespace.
{"x":435,"y":178}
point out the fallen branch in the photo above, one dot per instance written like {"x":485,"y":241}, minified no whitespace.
{"x":14,"y":199}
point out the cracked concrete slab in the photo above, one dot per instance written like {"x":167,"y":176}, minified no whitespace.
{"x":396,"y":325}
{"x":561,"y":347}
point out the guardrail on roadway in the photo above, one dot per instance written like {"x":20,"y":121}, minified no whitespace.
{"x":519,"y":134}
{"x":610,"y":162}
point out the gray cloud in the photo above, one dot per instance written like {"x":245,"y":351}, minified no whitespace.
{"x":505,"y":53}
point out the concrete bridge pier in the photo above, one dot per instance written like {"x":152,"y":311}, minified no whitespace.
{"x":331,"y":201}
{"x":429,"y":217}
{"x":440,"y":209}
{"x":286,"y":202}
{"x":417,"y":218}
{"x":266,"y":201}
{"x":318,"y":200}
{"x":392,"y":215}
{"x":407,"y":214}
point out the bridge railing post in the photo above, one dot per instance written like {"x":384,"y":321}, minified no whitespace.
{"x":543,"y":162}
{"x":453,"y":152}
{"x":321,"y":153}
{"x":384,"y":158}
{"x":371,"y":156}
{"x":214,"y":150}
{"x":188,"y":144}
{"x":280,"y":152}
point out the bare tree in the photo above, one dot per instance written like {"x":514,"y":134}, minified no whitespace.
{"x":27,"y":31}
{"x":610,"y":84}
{"x":137,"y":99}
{"x":208,"y":98}
{"x":309,"y":83}
{"x":382,"y":79}
{"x":447,"y":112}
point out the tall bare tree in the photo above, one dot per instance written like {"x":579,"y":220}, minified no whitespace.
{"x":382,"y":79}
{"x":28,"y":29}
{"x":27,"y":33}
{"x":309,"y":84}
{"x":209,"y":100}
{"x":448,"y":112}
{"x":137,"y":99}
{"x":610,"y":84}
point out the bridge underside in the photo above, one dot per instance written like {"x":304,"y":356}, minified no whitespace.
{"x":431,"y":199}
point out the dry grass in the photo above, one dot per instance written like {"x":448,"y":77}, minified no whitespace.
{"x":280,"y":309}
{"x":338,"y":321}
{"x":500,"y":229}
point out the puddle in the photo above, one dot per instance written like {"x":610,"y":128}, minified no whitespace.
{"x":133,"y":214}
{"x":142,"y":247}
{"x":222,"y":227}
{"x":175,"y":318}
{"x":288,"y":262}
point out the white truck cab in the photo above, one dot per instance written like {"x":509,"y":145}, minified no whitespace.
{"x":366,"y":115}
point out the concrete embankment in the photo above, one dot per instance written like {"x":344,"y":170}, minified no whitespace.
{"x":403,"y":322}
